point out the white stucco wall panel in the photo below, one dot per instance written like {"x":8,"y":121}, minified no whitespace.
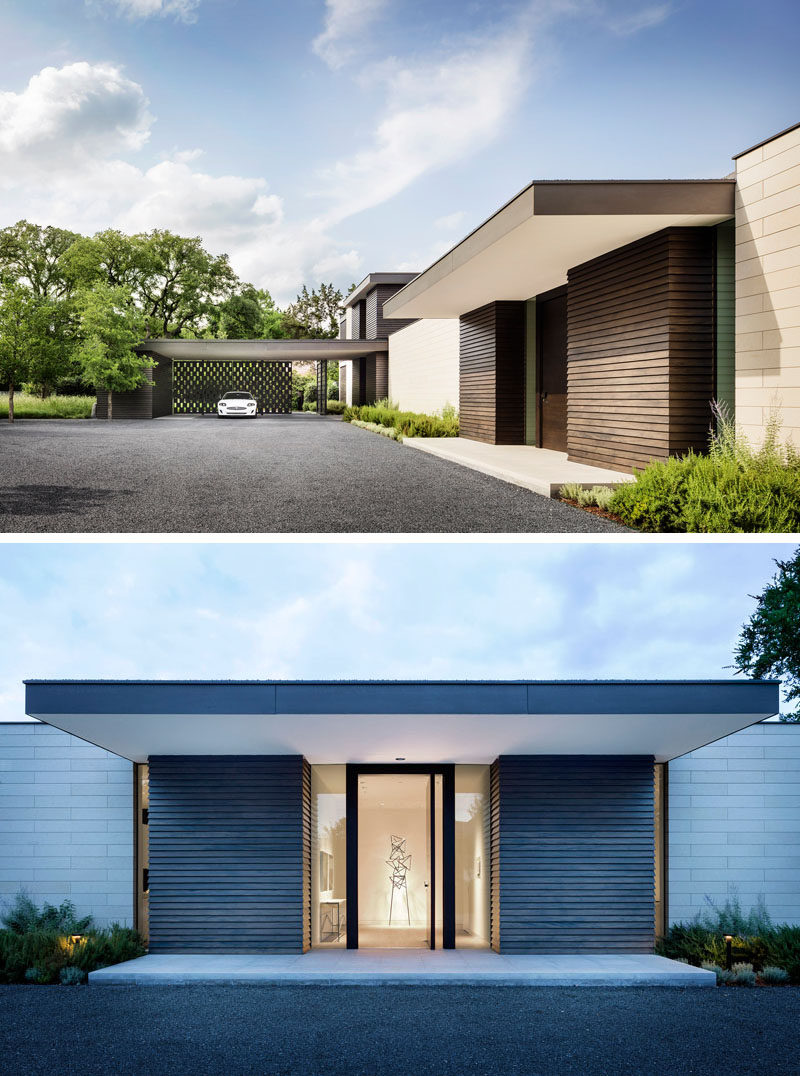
{"x":768,"y":287}
{"x":734,"y":823}
{"x":423,"y":365}
{"x":66,"y":822}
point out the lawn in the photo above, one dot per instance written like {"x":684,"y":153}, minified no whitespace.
{"x":26,"y":406}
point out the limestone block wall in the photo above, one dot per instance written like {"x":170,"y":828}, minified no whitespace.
{"x":423,"y":365}
{"x":768,"y":286}
{"x":66,"y":822}
{"x":734,"y":823}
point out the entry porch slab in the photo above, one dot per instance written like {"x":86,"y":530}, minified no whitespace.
{"x":538,"y":469}
{"x":406,"y":967}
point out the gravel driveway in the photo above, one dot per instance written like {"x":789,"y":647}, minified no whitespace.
{"x":408,"y":1031}
{"x":278,"y":474}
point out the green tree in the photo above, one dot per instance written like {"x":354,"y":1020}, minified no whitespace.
{"x":769,"y":643}
{"x":181,"y":283}
{"x":249,"y":314}
{"x":315,"y":314}
{"x":52,"y":344}
{"x":33,"y":256}
{"x":111,"y":256}
{"x":16,"y":312}
{"x":111,"y":327}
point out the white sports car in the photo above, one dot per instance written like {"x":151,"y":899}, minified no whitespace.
{"x":237,"y":405}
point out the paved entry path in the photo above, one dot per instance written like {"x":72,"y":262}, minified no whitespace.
{"x":403,"y":1031}
{"x":287,"y":473}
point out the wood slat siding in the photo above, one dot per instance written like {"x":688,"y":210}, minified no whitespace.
{"x":357,"y":382}
{"x":378,"y":327}
{"x":368,"y":380}
{"x":492,"y":374}
{"x":135,"y":404}
{"x":306,"y":775}
{"x":494,"y":855}
{"x":641,"y":350}
{"x":162,"y":388}
{"x":358,"y":322}
{"x":381,"y":377}
{"x":229,"y":853}
{"x":574,"y":842}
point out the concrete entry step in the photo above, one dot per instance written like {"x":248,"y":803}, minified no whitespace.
{"x":403,"y":967}
{"x":538,"y":469}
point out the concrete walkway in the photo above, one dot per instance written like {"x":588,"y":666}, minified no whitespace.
{"x":409,"y":967}
{"x":538,"y":469}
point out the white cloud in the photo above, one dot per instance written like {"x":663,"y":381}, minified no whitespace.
{"x":451,"y":221}
{"x":438,"y":111}
{"x":184,"y":10}
{"x":72,"y":113}
{"x":345,"y":25}
{"x":635,"y":21}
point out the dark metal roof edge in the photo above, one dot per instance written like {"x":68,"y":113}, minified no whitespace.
{"x":765,"y":141}
{"x":372,"y":280}
{"x":403,"y":683}
{"x":539,"y":183}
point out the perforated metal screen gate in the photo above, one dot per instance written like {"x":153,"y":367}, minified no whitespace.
{"x":198,"y":384}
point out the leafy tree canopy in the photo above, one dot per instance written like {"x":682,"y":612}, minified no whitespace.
{"x":111,"y":327}
{"x":17,"y":311}
{"x":769,"y":643}
{"x":315,"y":314}
{"x":31,"y":255}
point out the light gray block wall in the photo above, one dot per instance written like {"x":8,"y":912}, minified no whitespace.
{"x":734,"y":823}
{"x":66,"y":822}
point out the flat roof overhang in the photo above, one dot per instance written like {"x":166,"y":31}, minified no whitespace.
{"x":528,"y":246}
{"x":372,"y":280}
{"x":265,"y":350}
{"x":418,"y":721}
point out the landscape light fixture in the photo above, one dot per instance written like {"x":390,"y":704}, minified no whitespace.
{"x":728,"y":942}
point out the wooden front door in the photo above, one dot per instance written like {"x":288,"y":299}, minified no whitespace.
{"x":551,"y":334}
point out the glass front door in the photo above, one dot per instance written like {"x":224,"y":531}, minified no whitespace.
{"x":397,"y":860}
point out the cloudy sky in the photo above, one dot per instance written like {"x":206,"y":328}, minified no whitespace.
{"x":339,"y":610}
{"x":323,"y":139}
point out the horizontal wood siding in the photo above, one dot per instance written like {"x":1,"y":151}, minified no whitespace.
{"x":135,"y":404}
{"x":640,"y":350}
{"x":381,"y":376}
{"x":368,"y":380}
{"x":306,"y":774}
{"x":229,"y":853}
{"x":494,"y":851}
{"x":492,"y":373}
{"x":575,"y":845}
{"x":358,"y":321}
{"x":378,"y":327}
{"x":162,"y":388}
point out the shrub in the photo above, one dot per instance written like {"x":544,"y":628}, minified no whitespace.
{"x":72,"y":976}
{"x":41,"y":942}
{"x":310,"y":405}
{"x":774,"y":976}
{"x":406,"y":423}
{"x":570,"y":491}
{"x":735,"y":488}
{"x":336,"y":407}
{"x":374,"y":427}
{"x":756,"y":941}
{"x":743,"y":975}
{"x":24,"y":917}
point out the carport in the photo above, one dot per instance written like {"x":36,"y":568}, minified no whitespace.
{"x":189,"y":376}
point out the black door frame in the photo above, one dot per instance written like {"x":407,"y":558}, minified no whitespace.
{"x":448,"y":774}
{"x":555,"y":293}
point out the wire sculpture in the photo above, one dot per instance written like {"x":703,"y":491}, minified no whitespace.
{"x":400,"y":862}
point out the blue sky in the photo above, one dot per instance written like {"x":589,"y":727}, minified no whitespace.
{"x":323,"y":139}
{"x":367,"y":610}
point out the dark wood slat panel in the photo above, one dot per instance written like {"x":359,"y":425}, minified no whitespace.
{"x":494,"y":848}
{"x":573,"y":841}
{"x":135,"y":404}
{"x":641,"y":348}
{"x":230,"y":853}
{"x":492,"y":373}
{"x":379,"y":327}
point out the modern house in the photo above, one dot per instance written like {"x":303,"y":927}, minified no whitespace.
{"x":601,"y":318}
{"x":275,"y":817}
{"x":598,"y":319}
